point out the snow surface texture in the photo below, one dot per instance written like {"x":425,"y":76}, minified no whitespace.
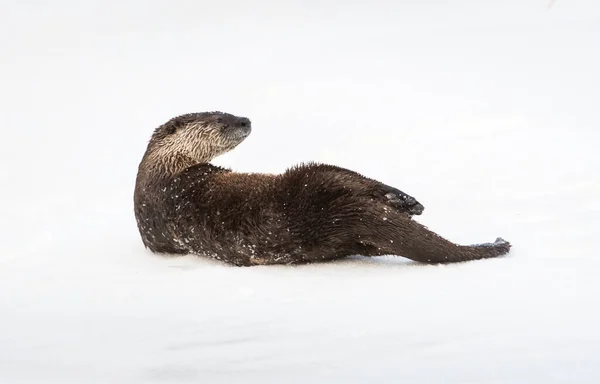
{"x":486,"y":112}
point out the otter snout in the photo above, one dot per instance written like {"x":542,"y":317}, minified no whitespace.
{"x":242,"y":122}
{"x":242,"y":125}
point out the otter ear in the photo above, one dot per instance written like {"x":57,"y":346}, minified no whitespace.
{"x":172,"y":126}
{"x":171,"y":129}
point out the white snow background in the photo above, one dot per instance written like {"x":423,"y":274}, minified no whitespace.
{"x":488,"y":112}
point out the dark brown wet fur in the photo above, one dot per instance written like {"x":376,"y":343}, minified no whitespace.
{"x":312,"y":212}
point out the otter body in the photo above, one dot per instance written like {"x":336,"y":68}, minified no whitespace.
{"x":312,"y":212}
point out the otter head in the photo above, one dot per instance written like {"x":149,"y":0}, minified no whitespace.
{"x":199,"y":137}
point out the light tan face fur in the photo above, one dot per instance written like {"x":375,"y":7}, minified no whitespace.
{"x":197,"y":141}
{"x":202,"y":142}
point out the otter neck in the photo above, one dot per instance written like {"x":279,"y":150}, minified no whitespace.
{"x":168,"y":164}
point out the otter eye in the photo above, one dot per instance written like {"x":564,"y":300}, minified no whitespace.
{"x":219,"y":120}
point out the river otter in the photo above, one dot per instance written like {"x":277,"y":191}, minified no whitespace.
{"x":312,"y":212}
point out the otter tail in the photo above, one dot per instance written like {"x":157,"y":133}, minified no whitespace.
{"x":420,"y":244}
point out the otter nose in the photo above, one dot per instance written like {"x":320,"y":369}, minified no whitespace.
{"x":242,"y":122}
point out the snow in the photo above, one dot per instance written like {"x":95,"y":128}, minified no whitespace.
{"x":487,"y":114}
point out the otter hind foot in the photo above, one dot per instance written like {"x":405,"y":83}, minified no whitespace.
{"x":404,"y":202}
{"x":500,"y":240}
{"x":501,"y":245}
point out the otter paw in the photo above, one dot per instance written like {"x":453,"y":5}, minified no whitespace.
{"x":501,"y":245}
{"x":404,"y":202}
